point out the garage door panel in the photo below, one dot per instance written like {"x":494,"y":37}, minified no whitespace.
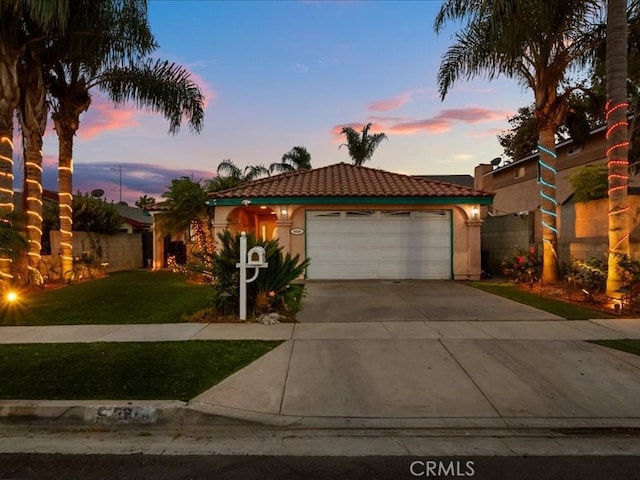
{"x":347,"y":245}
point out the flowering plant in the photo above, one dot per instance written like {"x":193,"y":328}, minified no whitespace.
{"x":523,"y":266}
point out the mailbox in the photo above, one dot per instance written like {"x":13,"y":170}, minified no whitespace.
{"x":256,"y":257}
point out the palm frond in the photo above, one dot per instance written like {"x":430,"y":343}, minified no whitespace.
{"x":161,"y":87}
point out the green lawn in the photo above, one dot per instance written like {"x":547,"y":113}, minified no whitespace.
{"x":101,"y":371}
{"x":626,"y":345}
{"x":557,"y":307}
{"x":127,"y":297}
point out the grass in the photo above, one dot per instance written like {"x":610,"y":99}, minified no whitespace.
{"x":626,"y":345}
{"x":557,"y":307}
{"x":127,"y":297}
{"x":121,"y":371}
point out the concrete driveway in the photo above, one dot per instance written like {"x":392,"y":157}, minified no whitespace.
{"x":408,"y":300}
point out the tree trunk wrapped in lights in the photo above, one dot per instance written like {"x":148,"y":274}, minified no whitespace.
{"x":8,"y":103}
{"x":548,"y":206}
{"x":33,"y":120}
{"x":617,"y":141}
{"x":66,"y":118}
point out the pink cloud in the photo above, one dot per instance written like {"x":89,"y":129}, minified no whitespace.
{"x":432,"y":125}
{"x":443,"y":122}
{"x":472,"y":115}
{"x":392,"y":103}
{"x":103,"y":116}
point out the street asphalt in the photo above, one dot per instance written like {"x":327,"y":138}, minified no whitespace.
{"x":434,"y":355}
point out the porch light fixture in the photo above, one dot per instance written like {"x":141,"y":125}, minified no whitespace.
{"x":284,"y":214}
{"x":475,"y":212}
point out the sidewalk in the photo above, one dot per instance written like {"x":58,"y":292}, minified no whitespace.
{"x":505,"y":330}
{"x":424,"y":374}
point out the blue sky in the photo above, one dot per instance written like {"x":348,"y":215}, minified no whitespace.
{"x":285,"y":73}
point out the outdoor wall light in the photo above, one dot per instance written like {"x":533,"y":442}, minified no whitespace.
{"x":475,"y":212}
{"x":284,"y":214}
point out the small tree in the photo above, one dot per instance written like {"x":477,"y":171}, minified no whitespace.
{"x":94,"y":215}
{"x":589,"y":183}
{"x":145,"y":202}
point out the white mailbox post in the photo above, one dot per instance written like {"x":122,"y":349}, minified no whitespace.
{"x":256,"y":259}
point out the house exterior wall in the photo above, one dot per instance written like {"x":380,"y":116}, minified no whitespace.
{"x":465,"y":229}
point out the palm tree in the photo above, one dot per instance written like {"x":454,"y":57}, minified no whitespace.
{"x":361,"y":145}
{"x":617,"y":141}
{"x":20,"y":20}
{"x":535,"y":42}
{"x":185,"y":208}
{"x":116,"y":63}
{"x":298,"y":158}
{"x":145,"y":202}
{"x":230,"y":175}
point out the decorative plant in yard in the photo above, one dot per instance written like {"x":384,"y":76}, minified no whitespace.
{"x":272,"y":291}
{"x":523,"y":266}
{"x":589,"y":274}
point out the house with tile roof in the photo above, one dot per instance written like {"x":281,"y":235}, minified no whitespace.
{"x":356,"y":222}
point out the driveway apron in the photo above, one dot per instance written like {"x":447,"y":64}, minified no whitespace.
{"x":408,"y":300}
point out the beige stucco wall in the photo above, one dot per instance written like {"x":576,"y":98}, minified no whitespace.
{"x":122,"y":251}
{"x":466,"y":231}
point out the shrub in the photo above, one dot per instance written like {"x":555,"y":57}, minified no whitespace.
{"x":523,"y":266}
{"x":271,"y":291}
{"x":591,"y":273}
{"x":589,"y":183}
{"x":630,"y":271}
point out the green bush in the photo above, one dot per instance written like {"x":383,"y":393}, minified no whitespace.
{"x":589,"y":183}
{"x":591,"y":273}
{"x":271,"y":291}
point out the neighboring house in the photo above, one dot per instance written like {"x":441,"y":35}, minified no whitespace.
{"x":464,"y":180}
{"x":516,"y":184}
{"x":515,"y":219}
{"x":134,"y":219}
{"x":356,"y":222}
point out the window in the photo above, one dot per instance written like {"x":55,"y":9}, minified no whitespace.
{"x":357,"y":213}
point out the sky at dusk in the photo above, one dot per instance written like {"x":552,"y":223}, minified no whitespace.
{"x":285,"y":73}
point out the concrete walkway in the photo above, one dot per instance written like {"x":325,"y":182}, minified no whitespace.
{"x":462,"y":374}
{"x":393,"y":355}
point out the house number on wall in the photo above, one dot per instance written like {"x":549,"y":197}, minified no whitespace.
{"x":297,"y":231}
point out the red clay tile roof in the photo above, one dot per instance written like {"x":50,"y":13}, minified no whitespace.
{"x":346,"y":180}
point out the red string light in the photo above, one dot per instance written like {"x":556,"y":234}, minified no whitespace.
{"x":622,"y":178}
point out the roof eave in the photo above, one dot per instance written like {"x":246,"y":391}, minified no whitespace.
{"x":482,"y":200}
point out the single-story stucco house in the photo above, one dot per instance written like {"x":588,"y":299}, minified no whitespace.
{"x":357,"y":222}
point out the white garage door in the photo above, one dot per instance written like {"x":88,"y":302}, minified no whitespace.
{"x":388,"y":245}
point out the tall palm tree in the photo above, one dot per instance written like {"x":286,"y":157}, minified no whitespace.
{"x":617,"y":141}
{"x":361,"y":145}
{"x":298,"y":158}
{"x":535,"y":42}
{"x":20,"y":19}
{"x":117,"y":63}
